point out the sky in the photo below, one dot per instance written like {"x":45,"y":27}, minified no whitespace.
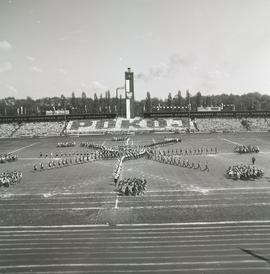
{"x":54,"y":47}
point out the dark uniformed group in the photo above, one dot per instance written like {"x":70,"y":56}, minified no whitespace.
{"x":66,"y":144}
{"x":63,"y":162}
{"x":246,"y":149}
{"x":131,"y":186}
{"x":119,"y":138}
{"x":8,"y":178}
{"x":173,"y":159}
{"x":244,"y":172}
{"x":8,"y":157}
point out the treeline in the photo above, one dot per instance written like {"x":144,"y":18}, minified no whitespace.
{"x":105,"y":103}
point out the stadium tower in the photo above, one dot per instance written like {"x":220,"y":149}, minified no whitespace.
{"x":129,"y":91}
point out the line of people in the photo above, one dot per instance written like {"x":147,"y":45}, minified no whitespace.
{"x":246,"y":149}
{"x":61,"y":154}
{"x":66,"y":144}
{"x":166,"y":141}
{"x":188,"y":151}
{"x":119,"y":138}
{"x":243,"y":172}
{"x":8,"y":157}
{"x":176,"y":161}
{"x":8,"y":178}
{"x":63,"y":162}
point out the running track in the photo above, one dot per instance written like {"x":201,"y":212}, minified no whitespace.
{"x":236,"y":247}
{"x":196,"y":246}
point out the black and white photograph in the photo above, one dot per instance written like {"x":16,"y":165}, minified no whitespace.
{"x":134,"y":136}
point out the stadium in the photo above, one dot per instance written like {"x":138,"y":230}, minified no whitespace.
{"x":68,"y":217}
{"x":134,"y":137}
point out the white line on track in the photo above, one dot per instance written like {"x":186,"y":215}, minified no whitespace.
{"x":116,"y":202}
{"x":227,"y":140}
{"x":130,"y":264}
{"x":103,"y":143}
{"x":241,"y":237}
{"x":24,"y":147}
{"x":162,"y":270}
{"x":153,"y":140}
{"x":146,"y":224}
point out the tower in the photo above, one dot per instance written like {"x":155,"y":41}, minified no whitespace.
{"x":129,"y":91}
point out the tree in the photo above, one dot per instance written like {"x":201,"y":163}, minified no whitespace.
{"x":84,"y":99}
{"x":169,"y":100}
{"x":148,"y":103}
{"x":73,"y":100}
{"x":198,"y":99}
{"x":96,"y":104}
{"x":179,"y":99}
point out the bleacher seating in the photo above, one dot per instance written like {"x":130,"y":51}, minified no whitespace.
{"x":40,"y":129}
{"x":121,"y":124}
{"x":6,"y":130}
{"x":135,"y":125}
{"x":232,"y":124}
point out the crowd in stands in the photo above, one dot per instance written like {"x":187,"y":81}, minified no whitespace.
{"x":122,"y":125}
{"x":6,"y":130}
{"x":219,"y":124}
{"x":40,"y":129}
{"x":8,"y":157}
{"x":246,"y":149}
{"x":8,"y":178}
{"x":244,"y":172}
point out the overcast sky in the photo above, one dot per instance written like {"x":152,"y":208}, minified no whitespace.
{"x":54,"y":47}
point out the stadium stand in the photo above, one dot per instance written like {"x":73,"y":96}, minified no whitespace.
{"x":219,"y":124}
{"x":6,"y":130}
{"x":40,"y":129}
{"x":120,"y":124}
{"x":232,"y":124}
{"x":89,"y":126}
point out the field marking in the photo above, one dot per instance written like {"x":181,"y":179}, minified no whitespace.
{"x":143,"y":230}
{"x":116,"y":202}
{"x":103,"y":143}
{"x":227,"y":140}
{"x":154,"y":141}
{"x":163,"y":270}
{"x":139,"y":207}
{"x":134,"y":247}
{"x":130,"y":264}
{"x":185,"y":192}
{"x":24,"y":147}
{"x":127,"y":141}
{"x":145,"y":224}
{"x":241,"y":237}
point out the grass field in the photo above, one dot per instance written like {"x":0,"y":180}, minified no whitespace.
{"x":177,"y":201}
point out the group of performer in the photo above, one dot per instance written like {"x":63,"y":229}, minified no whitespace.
{"x":244,"y":172}
{"x":119,"y":138}
{"x":8,"y":157}
{"x":176,"y":161}
{"x":63,"y":162}
{"x":61,"y":154}
{"x":165,"y":142}
{"x":131,"y":186}
{"x":8,"y":178}
{"x":188,"y":151}
{"x":66,"y":144}
{"x":246,"y":149}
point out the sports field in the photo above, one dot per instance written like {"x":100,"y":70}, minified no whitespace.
{"x":70,"y":219}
